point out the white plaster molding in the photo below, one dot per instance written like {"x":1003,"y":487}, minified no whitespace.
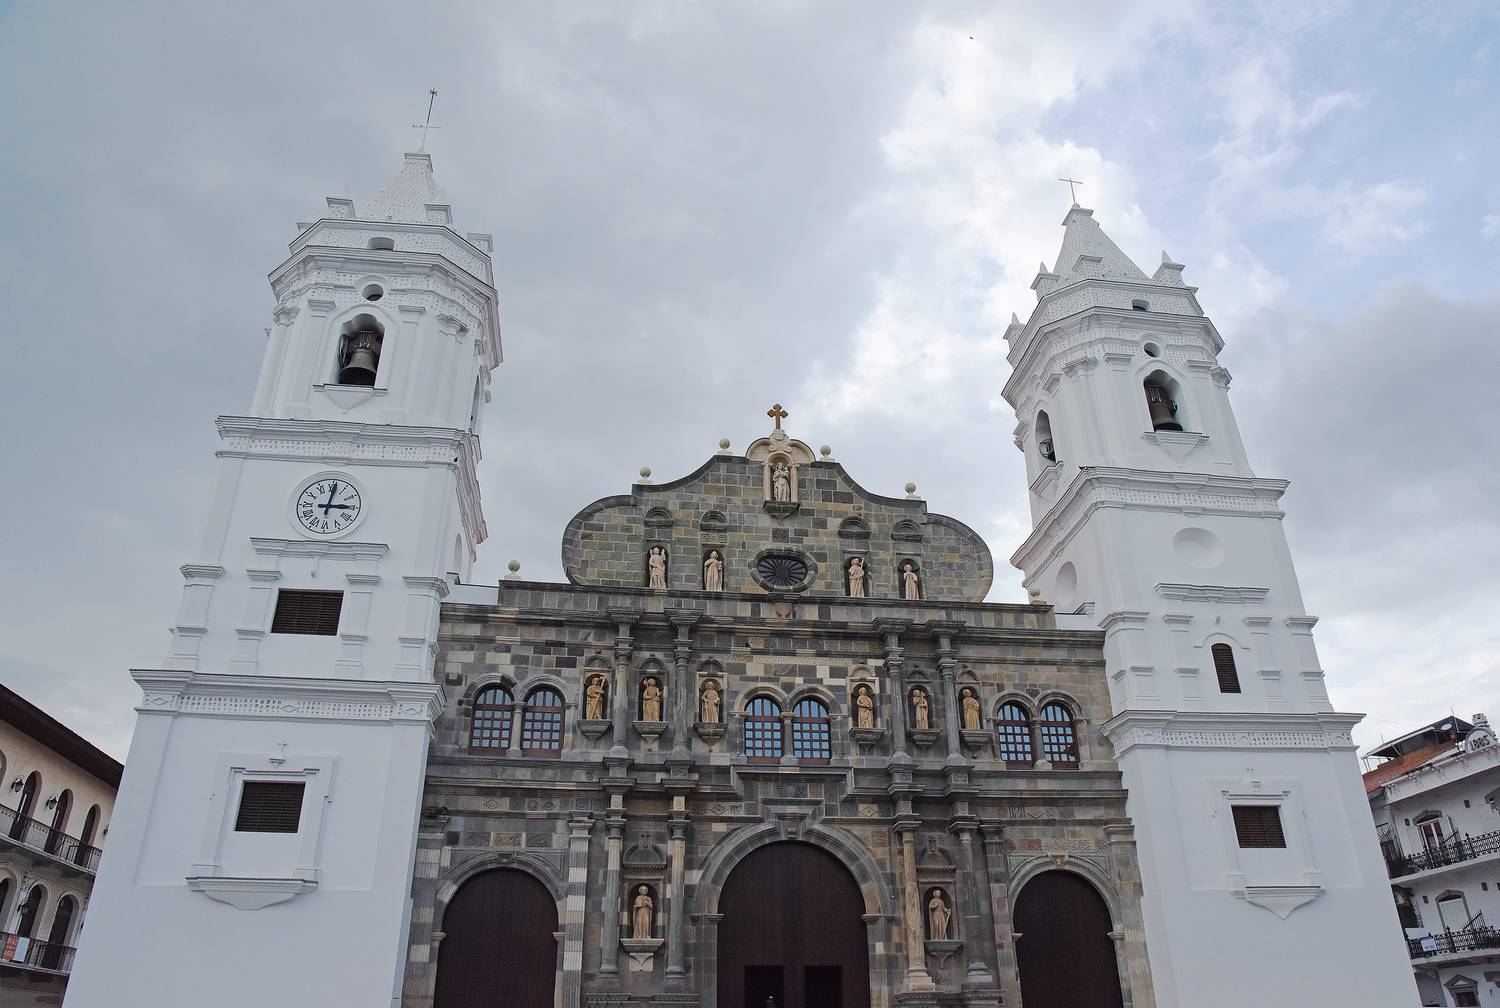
{"x":324,"y":550}
{"x":1178,"y":444}
{"x":1133,"y":729}
{"x":1280,"y":900}
{"x":201,"y":694}
{"x":250,"y":893}
{"x":1145,"y":490}
{"x":201,"y":572}
{"x":1212,"y":593}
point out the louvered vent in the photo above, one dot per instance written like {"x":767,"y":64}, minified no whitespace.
{"x":1258,"y":826}
{"x":307,"y":612}
{"x":1229,"y":677}
{"x":270,"y":807}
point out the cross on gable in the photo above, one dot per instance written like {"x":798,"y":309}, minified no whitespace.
{"x":778,"y":414}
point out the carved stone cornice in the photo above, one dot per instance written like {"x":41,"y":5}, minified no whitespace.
{"x":1212,"y":593}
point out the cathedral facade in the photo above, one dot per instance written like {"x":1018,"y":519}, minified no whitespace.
{"x":766,"y":746}
{"x":770,"y":742}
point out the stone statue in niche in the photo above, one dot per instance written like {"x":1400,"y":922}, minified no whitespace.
{"x":594,"y":695}
{"x":939,"y":915}
{"x":713,"y":572}
{"x":651,"y":701}
{"x":640,"y":914}
{"x":970,"y":704}
{"x":919,"y":707}
{"x":656,"y":563}
{"x":708,"y":705}
{"x":856,"y":578}
{"x":781,"y":482}
{"x":864,"y":708}
{"x":911,"y":584}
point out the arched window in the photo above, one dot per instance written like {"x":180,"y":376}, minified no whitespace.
{"x":1059,"y":738}
{"x":490,"y":729}
{"x":24,"y":805}
{"x":359,"y":351}
{"x":1045,"y":446}
{"x":541,"y":723}
{"x":1228,"y":675}
{"x":383,"y":244}
{"x":812,"y":736}
{"x":1014,"y":729}
{"x":763,"y":730}
{"x":4,"y":897}
{"x":86,"y":850}
{"x":56,"y":836}
{"x":31,"y":910}
{"x":1161,"y":400}
{"x":57,"y":937}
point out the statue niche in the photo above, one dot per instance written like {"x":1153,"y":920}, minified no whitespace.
{"x":596,"y":698}
{"x":651,"y":700}
{"x":656,"y":567}
{"x":709,"y":702}
{"x":782,"y":459}
{"x":713,"y":572}
{"x":939,"y":916}
{"x":864,"y":707}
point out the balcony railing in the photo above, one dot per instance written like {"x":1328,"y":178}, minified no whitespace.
{"x":1455,"y":851}
{"x":18,"y":951}
{"x":27,"y":831}
{"x":1470,"y":940}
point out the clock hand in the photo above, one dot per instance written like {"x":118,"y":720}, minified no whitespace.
{"x":329,"y":503}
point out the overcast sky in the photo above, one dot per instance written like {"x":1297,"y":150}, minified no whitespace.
{"x":703,"y":208}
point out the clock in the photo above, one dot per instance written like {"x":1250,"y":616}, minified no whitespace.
{"x":327,"y":505}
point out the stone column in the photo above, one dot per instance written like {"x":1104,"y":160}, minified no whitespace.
{"x":973,"y":892}
{"x":917,"y":977}
{"x":894,"y":663}
{"x":609,"y":941}
{"x":1129,"y":936}
{"x":577,"y":894}
{"x":677,"y":895}
{"x":997,"y":873}
{"x":947,"y":660}
{"x":684,"y":690}
{"x":621,"y":698}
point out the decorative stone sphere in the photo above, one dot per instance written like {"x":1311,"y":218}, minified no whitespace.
{"x":825,"y":451}
{"x":911,"y":488}
{"x":723,"y":444}
{"x":645,"y":472}
{"x":513,"y":566}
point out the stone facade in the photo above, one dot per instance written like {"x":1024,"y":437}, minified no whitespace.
{"x":676,"y":804}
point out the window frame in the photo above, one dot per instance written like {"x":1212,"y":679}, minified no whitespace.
{"x":308,"y":594}
{"x":1018,"y":730}
{"x":1226,"y":669}
{"x":756,"y":744}
{"x":811,"y":731}
{"x":1064,"y":755}
{"x":543,"y":722}
{"x":1246,"y":828}
{"x":498,"y":718}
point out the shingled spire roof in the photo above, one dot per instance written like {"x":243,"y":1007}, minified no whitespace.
{"x":1087,"y":252}
{"x":408,"y":198}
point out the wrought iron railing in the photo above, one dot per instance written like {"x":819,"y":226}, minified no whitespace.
{"x":18,"y":951}
{"x":1455,"y":851}
{"x":1447,"y":942}
{"x":27,"y":831}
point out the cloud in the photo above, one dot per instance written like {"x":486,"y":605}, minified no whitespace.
{"x":1489,"y":226}
{"x":1360,"y":222}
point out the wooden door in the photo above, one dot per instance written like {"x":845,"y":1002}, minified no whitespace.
{"x":792,"y":931}
{"x":1065,"y":954}
{"x":498,"y":950}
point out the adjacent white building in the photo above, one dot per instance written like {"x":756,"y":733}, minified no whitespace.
{"x":1435,"y":797}
{"x":1261,"y":885}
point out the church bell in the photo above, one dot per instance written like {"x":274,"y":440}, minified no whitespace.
{"x":360,"y":359}
{"x":1163,"y":409}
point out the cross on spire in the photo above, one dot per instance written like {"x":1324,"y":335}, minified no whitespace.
{"x":1071,"y":191}
{"x":778,"y":414}
{"x":427,"y":125}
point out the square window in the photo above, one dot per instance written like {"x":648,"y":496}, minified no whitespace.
{"x":1466,"y":999}
{"x":270,"y":807}
{"x":299,"y":611}
{"x":1258,"y":826}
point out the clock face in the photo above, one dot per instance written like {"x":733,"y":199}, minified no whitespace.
{"x":328,"y":506}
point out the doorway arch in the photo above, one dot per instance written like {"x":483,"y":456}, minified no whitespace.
{"x":792,"y":930}
{"x":499,"y":946}
{"x":1064,"y":951}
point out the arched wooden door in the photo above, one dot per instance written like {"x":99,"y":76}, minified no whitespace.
{"x":1065,"y":954}
{"x":498,"y":949}
{"x":792,"y":931}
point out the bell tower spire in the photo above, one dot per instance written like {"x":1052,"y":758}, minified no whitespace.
{"x":1149,"y":524}
{"x":273,"y":790}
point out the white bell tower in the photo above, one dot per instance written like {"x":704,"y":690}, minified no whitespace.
{"x":1263,"y":882}
{"x":262,"y":848}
